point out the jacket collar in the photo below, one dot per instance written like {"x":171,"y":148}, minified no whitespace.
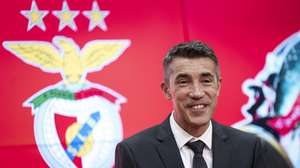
{"x":167,"y":147}
{"x":221,"y":147}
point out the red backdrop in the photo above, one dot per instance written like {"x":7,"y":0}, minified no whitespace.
{"x":241,"y":33}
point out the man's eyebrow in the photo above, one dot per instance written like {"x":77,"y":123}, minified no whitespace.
{"x":206,"y":74}
{"x":182,"y":75}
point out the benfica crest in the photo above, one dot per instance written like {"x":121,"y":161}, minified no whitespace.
{"x":93,"y":108}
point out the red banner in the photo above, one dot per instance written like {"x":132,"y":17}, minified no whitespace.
{"x":88,"y":72}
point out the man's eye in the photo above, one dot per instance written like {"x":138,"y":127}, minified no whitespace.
{"x":182,"y":81}
{"x":207,"y":81}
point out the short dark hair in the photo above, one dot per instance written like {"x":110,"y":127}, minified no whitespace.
{"x":192,"y":49}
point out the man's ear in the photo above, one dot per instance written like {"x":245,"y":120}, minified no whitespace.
{"x":166,"y":90}
{"x":219,"y":85}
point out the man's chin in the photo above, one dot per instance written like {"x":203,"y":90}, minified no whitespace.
{"x":200,"y":122}
{"x":197,"y":113}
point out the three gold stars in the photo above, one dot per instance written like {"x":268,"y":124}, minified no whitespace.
{"x":66,"y":17}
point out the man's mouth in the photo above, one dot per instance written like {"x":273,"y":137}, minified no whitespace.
{"x":197,"y":107}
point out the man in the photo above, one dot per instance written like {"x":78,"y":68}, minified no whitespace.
{"x":188,"y":138}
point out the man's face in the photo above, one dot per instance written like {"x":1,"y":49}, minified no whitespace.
{"x":193,"y":87}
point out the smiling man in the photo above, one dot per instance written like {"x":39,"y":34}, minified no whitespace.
{"x":189,"y":138}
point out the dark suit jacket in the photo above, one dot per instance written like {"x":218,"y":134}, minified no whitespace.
{"x":157,"y":148}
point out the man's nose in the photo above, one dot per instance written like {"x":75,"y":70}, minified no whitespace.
{"x":196,"y":92}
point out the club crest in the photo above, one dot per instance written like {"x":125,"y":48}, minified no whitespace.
{"x":96,"y":126}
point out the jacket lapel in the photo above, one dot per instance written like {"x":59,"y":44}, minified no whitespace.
{"x":167,"y":147}
{"x":170,"y":155}
{"x":221,"y":147}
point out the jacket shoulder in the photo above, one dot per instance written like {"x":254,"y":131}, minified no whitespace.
{"x":143,"y":137}
{"x":235,"y":136}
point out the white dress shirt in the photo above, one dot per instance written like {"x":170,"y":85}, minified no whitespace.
{"x":182,"y":137}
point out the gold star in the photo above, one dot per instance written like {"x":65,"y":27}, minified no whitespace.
{"x":35,"y":16}
{"x":66,"y":17}
{"x":96,"y":17}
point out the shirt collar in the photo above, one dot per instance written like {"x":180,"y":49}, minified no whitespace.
{"x":182,"y":137}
